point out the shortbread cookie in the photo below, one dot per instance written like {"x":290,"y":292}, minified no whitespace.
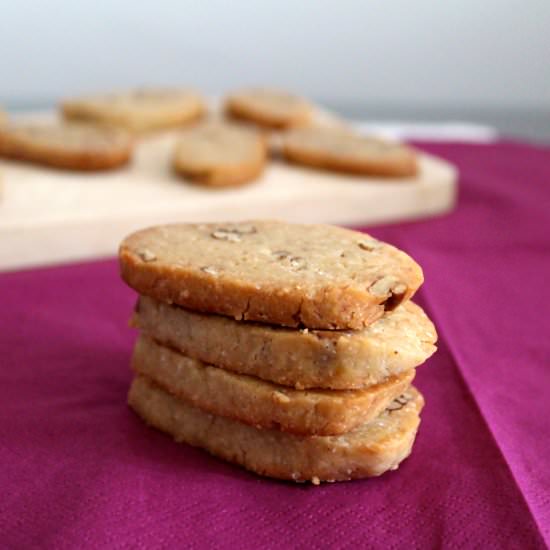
{"x":317,"y":276}
{"x":260,"y":403}
{"x":397,"y":342}
{"x":269,"y":108}
{"x":334,"y":149}
{"x":70,"y":146}
{"x":220,"y":155}
{"x":369,"y":450}
{"x":138,"y":110}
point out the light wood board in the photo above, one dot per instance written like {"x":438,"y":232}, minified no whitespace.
{"x":49,"y":216}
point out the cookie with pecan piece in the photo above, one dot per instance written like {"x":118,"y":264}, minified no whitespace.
{"x":69,"y":146}
{"x":260,"y":403}
{"x":369,"y":450}
{"x":341,"y":151}
{"x":220,"y":155}
{"x":269,"y":108}
{"x":399,"y":341}
{"x":139,"y":110}
{"x":315,"y":276}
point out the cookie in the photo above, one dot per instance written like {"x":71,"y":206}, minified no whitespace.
{"x":260,"y":403}
{"x":272,"y":109}
{"x":397,"y":342}
{"x":138,"y":110}
{"x":317,"y":276}
{"x":69,"y":146}
{"x":369,"y":450}
{"x":341,"y":151}
{"x":220,"y":155}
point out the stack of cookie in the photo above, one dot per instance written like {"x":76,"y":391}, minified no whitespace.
{"x":287,"y":349}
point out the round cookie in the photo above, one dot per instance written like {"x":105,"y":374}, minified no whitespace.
{"x":220,"y":154}
{"x":337,"y":150}
{"x":368,"y":450}
{"x":70,"y":146}
{"x":138,"y":110}
{"x":317,"y":276}
{"x":270,"y":109}
{"x":399,"y":341}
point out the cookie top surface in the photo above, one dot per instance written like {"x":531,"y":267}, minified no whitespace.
{"x":218,"y":144}
{"x":140,"y":100}
{"x":69,"y":137}
{"x":318,"y":276}
{"x":137,"y":109}
{"x":336,"y":148}
{"x":269,"y":107}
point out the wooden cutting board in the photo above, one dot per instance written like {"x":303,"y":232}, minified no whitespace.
{"x":49,"y":216}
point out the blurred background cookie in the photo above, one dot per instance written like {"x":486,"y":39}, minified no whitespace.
{"x":342,"y":151}
{"x":70,"y":146}
{"x":138,"y":110}
{"x":219,"y":154}
{"x":273,"y":109}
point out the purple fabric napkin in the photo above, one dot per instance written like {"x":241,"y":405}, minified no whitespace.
{"x":79,"y":470}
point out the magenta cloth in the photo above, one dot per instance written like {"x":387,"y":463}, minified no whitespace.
{"x":79,"y":470}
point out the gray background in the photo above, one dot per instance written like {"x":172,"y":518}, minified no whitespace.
{"x":477,"y":60}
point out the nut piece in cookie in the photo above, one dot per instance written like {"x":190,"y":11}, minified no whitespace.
{"x":220,"y":155}
{"x":138,"y":110}
{"x":341,"y":151}
{"x":70,"y":146}
{"x":268,"y":108}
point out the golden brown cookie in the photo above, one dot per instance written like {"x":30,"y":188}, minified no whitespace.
{"x":69,"y":146}
{"x":369,"y":450}
{"x":220,"y":155}
{"x":397,"y":342}
{"x":260,"y":403}
{"x":272,"y":109}
{"x":342,"y":151}
{"x":317,"y":276}
{"x":138,"y":110}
